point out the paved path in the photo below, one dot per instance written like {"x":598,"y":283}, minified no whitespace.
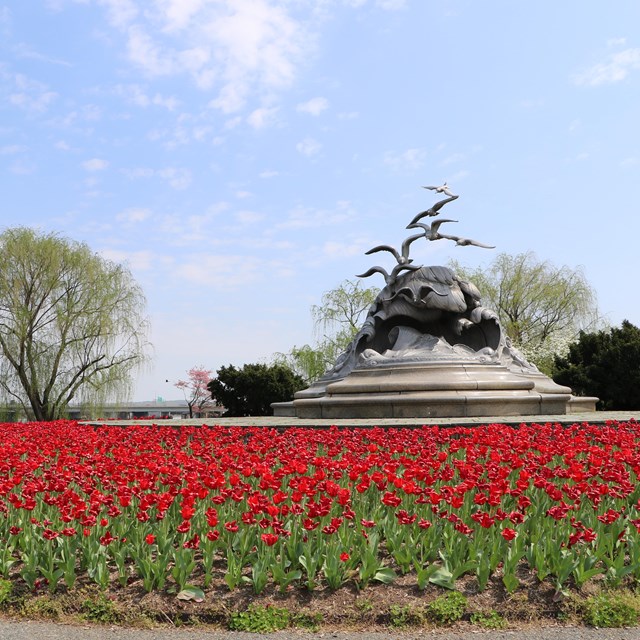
{"x":14,"y":630}
{"x":593,"y":417}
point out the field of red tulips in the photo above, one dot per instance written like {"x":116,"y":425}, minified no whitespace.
{"x":165,"y":507}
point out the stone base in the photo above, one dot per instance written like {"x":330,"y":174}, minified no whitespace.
{"x":432,"y":389}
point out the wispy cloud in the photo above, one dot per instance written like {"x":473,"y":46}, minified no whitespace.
{"x":133,"y":216}
{"x":309,"y":147}
{"x":262,"y":117}
{"x":176,"y":177}
{"x":309,"y":217}
{"x":95,"y":164}
{"x":31,"y":95}
{"x":222,"y":272}
{"x":237,"y":48}
{"x":137,"y":95}
{"x":143,"y":260}
{"x":409,"y":160}
{"x":314,"y":107}
{"x":12,"y":149}
{"x":614,"y":69}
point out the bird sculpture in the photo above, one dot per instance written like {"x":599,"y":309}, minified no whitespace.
{"x":435,"y":210}
{"x":390,"y":278}
{"x":430,"y":231}
{"x":402,"y":258}
{"x":465,"y":242}
{"x":444,"y":188}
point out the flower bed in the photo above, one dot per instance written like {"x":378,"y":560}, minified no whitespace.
{"x":164,"y":507}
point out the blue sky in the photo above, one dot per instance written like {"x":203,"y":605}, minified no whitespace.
{"x":242,"y":155}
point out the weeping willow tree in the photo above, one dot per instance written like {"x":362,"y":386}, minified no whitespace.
{"x":73,"y":325}
{"x":541,"y":306}
{"x":337,"y":320}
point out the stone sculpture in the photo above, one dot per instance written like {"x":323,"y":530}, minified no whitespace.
{"x":429,"y":348}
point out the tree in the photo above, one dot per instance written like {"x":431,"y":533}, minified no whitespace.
{"x":605,"y":364}
{"x":336,"y":321}
{"x":72,"y":324}
{"x":195,"y":389}
{"x":540,"y":305}
{"x":249,"y":391}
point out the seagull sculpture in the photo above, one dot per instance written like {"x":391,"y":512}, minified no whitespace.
{"x":444,"y":188}
{"x":435,"y":210}
{"x":465,"y":242}
{"x":430,"y":231}
{"x":390,"y":278}
{"x":402,"y":258}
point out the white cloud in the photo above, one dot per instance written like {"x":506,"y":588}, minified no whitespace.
{"x":95,"y":164}
{"x":632,"y":161}
{"x":408,"y":160}
{"x":237,"y":47}
{"x":314,"y":107}
{"x":391,"y":5}
{"x":260,"y":118}
{"x":147,"y":54}
{"x":143,"y":260}
{"x":136,"y":94}
{"x":31,"y":95}
{"x":268,"y":173}
{"x":308,"y":147}
{"x":177,"y":178}
{"x":615,"y":69}
{"x":12,"y":149}
{"x":220,"y":271}
{"x":308,"y":217}
{"x":133,"y":216}
{"x":616,"y":42}
{"x":453,"y":158}
{"x":246,"y":218}
{"x":120,"y":12}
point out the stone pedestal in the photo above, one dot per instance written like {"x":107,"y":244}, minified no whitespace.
{"x":431,"y":389}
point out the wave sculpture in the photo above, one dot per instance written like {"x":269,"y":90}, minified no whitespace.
{"x":428,"y":348}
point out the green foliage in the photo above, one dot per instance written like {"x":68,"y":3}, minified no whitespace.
{"x":249,"y":391}
{"x":611,"y":610}
{"x":404,"y":616}
{"x":535,"y":301}
{"x":605,"y":364}
{"x":305,"y":361}
{"x":488,"y":620}
{"x":257,"y":619}
{"x":337,"y":319}
{"x":5,"y":590}
{"x":73,"y":324}
{"x":309,"y":621}
{"x":448,"y":608}
{"x":100,"y":609}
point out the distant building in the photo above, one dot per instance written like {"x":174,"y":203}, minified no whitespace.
{"x":159,"y":408}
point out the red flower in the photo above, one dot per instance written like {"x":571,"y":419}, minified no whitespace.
{"x":508,"y":534}
{"x":184,"y":526}
{"x":391,"y":499}
{"x":269,"y":539}
{"x":107,"y":539}
{"x":344,"y":557}
{"x":193,"y":543}
{"x":49,"y":534}
{"x":213,"y":535}
{"x":231,"y":526}
{"x":150,"y":538}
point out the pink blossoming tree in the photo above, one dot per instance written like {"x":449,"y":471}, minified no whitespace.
{"x":195,"y":390}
